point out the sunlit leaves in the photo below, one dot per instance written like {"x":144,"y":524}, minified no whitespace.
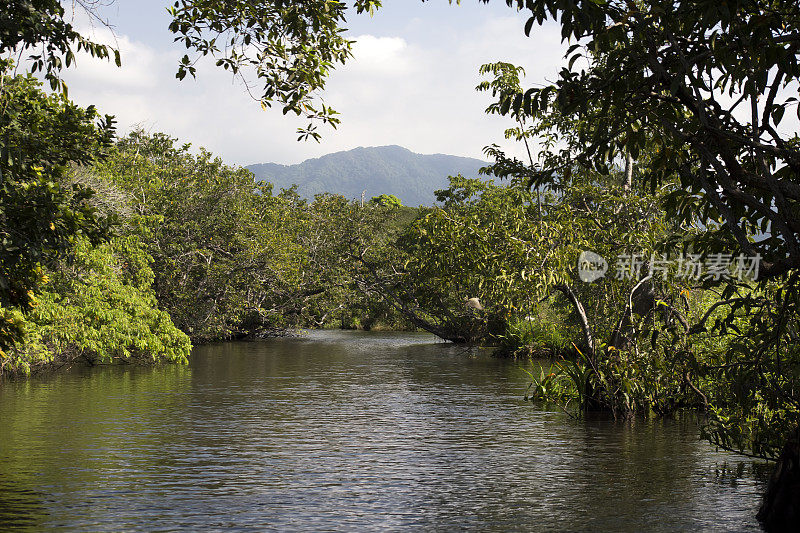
{"x":696,"y":92}
{"x":41,"y":213}
{"x":288,"y":47}
{"x":41,"y":29}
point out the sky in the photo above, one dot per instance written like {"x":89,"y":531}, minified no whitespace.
{"x":411,"y":83}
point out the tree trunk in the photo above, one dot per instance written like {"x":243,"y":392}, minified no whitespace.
{"x":579,"y":309}
{"x":628,"y":183}
{"x":591,"y":394}
{"x":781,"y":508}
{"x":640,"y":301}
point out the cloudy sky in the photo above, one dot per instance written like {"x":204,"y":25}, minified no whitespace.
{"x":412,"y":82}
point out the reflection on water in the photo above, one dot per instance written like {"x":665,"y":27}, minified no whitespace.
{"x":345,"y":430}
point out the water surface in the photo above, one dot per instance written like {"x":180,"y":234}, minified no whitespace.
{"x":345,"y":431}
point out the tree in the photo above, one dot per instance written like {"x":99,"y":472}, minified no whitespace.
{"x":678,"y":73}
{"x":223,"y":246}
{"x":478,"y":244}
{"x":707,"y":85}
{"x":41,"y":213}
{"x":232,"y":259}
{"x":96,"y":305}
{"x":386,"y":200}
{"x":290,"y":46}
{"x":41,"y":26}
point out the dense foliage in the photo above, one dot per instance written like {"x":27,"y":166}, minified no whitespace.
{"x":69,"y":289}
{"x":40,"y":211}
{"x":203,"y":246}
{"x":231,"y":258}
{"x":703,"y":86}
{"x":96,"y":306}
{"x":667,"y":79}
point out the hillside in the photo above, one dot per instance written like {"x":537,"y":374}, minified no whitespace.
{"x":394,"y":170}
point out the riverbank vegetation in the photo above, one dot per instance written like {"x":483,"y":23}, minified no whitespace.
{"x":648,"y":245}
{"x":177,"y":248}
{"x":666,"y":81}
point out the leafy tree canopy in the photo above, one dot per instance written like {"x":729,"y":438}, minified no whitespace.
{"x":702,"y":87}
{"x":41,"y":213}
{"x":386,"y":200}
{"x":40,"y":26}
{"x":289,"y":47}
{"x":708,"y":84}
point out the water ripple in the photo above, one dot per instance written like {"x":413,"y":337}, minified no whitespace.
{"x":342,"y":431}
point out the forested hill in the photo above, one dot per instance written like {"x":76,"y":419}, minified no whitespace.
{"x":378,"y":170}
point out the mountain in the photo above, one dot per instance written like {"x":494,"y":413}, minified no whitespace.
{"x":378,"y":170}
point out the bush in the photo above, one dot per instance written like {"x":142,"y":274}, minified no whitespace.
{"x":96,"y":305}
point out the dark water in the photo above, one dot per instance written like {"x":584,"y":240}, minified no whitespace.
{"x":345,"y":431}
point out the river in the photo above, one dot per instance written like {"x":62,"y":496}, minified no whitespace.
{"x":346,"y":431}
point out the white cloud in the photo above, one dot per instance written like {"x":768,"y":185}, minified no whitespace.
{"x":142,"y":65}
{"x":436,"y":108}
{"x":411,"y":82}
{"x":141,"y":68}
{"x":386,"y":55}
{"x":413,"y":87}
